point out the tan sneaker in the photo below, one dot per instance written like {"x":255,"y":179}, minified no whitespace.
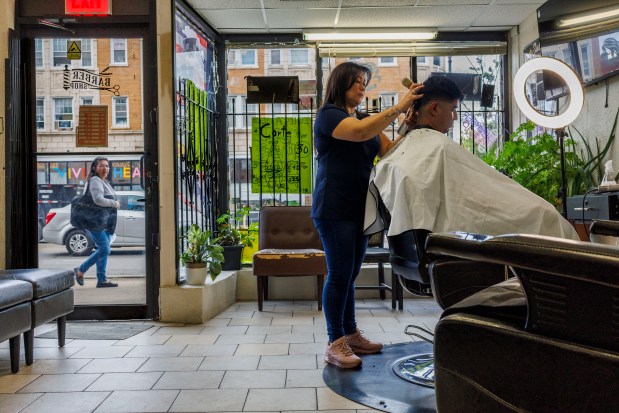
{"x":360,"y":344}
{"x":339,"y":354}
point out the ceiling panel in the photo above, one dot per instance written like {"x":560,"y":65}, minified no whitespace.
{"x":411,"y":17}
{"x":295,"y":15}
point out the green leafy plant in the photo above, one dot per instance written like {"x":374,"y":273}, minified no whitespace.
{"x":229,"y":233}
{"x":201,"y":248}
{"x":535,"y":162}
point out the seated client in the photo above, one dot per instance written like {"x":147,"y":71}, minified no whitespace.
{"x":427,"y":181}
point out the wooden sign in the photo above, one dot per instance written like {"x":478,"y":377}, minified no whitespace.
{"x":92,"y":126}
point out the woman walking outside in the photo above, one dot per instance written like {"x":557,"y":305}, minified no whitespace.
{"x":104,"y":196}
{"x":347,"y":142}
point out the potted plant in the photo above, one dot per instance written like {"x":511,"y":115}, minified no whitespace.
{"x":233,"y":239}
{"x":200,"y":251}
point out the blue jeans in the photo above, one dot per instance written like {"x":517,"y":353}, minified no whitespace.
{"x":99,"y":256}
{"x":344,"y":245}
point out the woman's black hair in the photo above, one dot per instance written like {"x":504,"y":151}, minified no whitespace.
{"x":341,"y":79}
{"x":94,"y":164}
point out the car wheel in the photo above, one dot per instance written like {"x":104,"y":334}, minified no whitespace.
{"x":78,"y":243}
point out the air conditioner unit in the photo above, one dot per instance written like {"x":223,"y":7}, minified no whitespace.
{"x":63,"y":125}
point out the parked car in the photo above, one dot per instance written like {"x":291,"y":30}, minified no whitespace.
{"x":130,"y":227}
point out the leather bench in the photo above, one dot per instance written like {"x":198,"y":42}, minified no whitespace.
{"x":52,"y":299}
{"x":15,"y":315}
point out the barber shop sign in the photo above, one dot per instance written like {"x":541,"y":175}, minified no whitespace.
{"x":89,"y":79}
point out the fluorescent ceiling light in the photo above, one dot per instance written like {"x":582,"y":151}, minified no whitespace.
{"x":594,"y":15}
{"x":403,"y":35}
{"x":567,"y":74}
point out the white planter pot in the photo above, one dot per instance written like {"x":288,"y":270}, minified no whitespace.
{"x":196,"y":273}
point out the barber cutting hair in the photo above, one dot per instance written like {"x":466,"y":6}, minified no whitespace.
{"x":427,"y":181}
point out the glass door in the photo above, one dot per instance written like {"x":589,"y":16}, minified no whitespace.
{"x":90,"y":104}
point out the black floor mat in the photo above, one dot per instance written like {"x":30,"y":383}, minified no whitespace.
{"x":99,"y":331}
{"x":375,"y":385}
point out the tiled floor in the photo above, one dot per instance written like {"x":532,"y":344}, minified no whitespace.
{"x":241,"y":361}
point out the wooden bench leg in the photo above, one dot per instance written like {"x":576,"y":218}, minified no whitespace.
{"x":320,"y":282}
{"x":14,"y":351}
{"x":265,"y":284}
{"x":62,"y":330}
{"x":260,"y":291}
{"x":29,"y":346}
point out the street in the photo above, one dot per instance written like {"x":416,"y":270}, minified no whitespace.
{"x":122,"y":262}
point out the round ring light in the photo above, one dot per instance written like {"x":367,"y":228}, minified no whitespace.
{"x":573,"y":84}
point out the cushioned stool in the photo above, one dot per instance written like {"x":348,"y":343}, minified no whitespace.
{"x":52,"y":298}
{"x":290,"y":247}
{"x":15,"y":315}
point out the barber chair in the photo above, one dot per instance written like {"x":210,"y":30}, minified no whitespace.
{"x":447,"y":279}
{"x":546,"y":341}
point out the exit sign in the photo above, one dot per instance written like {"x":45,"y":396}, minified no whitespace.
{"x":101,"y":7}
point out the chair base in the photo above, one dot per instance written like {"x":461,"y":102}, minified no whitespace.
{"x":417,"y":369}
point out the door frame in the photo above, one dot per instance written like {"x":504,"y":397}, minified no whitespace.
{"x":139,"y":26}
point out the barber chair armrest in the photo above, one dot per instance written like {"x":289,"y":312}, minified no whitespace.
{"x":605,"y":227}
{"x":595,"y":263}
{"x":454,"y":279}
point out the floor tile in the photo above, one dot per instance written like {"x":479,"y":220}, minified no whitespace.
{"x":16,"y":402}
{"x":281,"y":399}
{"x":58,"y":383}
{"x":230,"y":363}
{"x":289,"y":338}
{"x":138,"y":401}
{"x":293,"y":321}
{"x":115,"y":365}
{"x":193,"y":380}
{"x":55,"y":366}
{"x":101,"y":352}
{"x":66,"y":403}
{"x":269,"y":329}
{"x":125,"y":381}
{"x":225,"y":330}
{"x":216,"y":400}
{"x":193,"y":339}
{"x":241,"y":339}
{"x":185,"y":330}
{"x":172,"y":364}
{"x":262,"y":349}
{"x":156,"y":351}
{"x":11,"y":383}
{"x":196,"y":350}
{"x":308,"y":348}
{"x":305,"y":378}
{"x":256,"y":379}
{"x":56,"y":353}
{"x":142,"y":339}
{"x":250,"y":322}
{"x":287,"y":362}
{"x":90,"y":343}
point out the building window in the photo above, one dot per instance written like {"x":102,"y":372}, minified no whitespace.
{"x":40,"y":113}
{"x":276,"y":57}
{"x":388,"y":99}
{"x":59,"y":53}
{"x":387,"y":61}
{"x":63,"y":113}
{"x":242,"y":58}
{"x":120,"y":111}
{"x":86,"y":100}
{"x":422,"y":60}
{"x":437,"y":60}
{"x":584,"y":58}
{"x":38,"y":52}
{"x":119,"y":51}
{"x":86,"y":53}
{"x":299,"y":57}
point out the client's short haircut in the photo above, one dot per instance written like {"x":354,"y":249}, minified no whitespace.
{"x":439,"y":87}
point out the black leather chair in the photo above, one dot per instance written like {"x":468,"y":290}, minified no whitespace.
{"x":547,"y":341}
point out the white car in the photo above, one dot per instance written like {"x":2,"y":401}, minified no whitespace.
{"x":130,"y":227}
